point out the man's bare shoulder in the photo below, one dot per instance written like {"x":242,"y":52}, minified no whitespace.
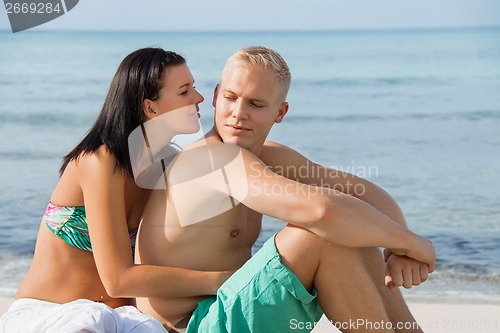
{"x":274,"y":145}
{"x":203,"y":157}
{"x":277,"y":154}
{"x":272,"y":148}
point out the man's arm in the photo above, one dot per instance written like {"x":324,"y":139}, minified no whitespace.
{"x":291,"y":164}
{"x":337,"y":217}
{"x":400,"y":271}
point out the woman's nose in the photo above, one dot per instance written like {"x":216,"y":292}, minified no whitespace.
{"x":199,"y":98}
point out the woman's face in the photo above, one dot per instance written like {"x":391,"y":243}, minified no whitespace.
{"x":178,"y":100}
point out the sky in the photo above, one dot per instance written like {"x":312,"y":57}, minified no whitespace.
{"x":270,"y":15}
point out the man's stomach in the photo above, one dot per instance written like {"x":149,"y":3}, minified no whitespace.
{"x":204,"y":247}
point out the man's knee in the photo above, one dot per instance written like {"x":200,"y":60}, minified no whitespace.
{"x":300,"y":250}
{"x":298,"y":244}
{"x":293,"y":242}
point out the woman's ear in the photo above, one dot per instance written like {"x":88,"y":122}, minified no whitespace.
{"x":148,"y":109}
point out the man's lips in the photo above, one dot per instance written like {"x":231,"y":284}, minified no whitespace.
{"x":237,"y":128}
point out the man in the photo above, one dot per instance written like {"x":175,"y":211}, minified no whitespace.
{"x":325,"y":260}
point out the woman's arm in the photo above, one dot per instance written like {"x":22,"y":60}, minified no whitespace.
{"x":103,"y":188}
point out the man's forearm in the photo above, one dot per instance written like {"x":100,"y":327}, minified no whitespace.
{"x":348,"y":221}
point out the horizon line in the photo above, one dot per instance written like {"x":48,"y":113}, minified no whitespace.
{"x":365,"y":29}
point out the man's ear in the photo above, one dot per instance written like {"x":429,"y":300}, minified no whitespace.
{"x":216,"y":92}
{"x":281,"y":112}
{"x":148,"y":109}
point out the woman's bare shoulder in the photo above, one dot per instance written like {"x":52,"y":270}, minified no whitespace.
{"x":98,"y":165}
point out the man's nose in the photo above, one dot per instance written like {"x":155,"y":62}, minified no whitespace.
{"x":239,"y":111}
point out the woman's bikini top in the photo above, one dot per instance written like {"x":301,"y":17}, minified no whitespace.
{"x":70,"y":224}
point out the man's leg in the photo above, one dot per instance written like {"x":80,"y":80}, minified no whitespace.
{"x":349,"y":281}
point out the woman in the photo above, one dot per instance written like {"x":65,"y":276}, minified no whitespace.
{"x":84,"y":248}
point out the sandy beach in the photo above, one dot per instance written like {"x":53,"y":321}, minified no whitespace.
{"x":433,"y":318}
{"x":444,"y":318}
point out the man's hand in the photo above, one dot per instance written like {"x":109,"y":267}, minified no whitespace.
{"x":404,"y":271}
{"x":420,"y":249}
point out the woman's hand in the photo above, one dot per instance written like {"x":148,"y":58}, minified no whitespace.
{"x":218,"y":279}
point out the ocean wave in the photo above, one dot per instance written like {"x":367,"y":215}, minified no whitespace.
{"x":85,"y":120}
{"x":23,"y":155}
{"x":478,"y":115}
{"x":14,"y":268}
{"x":47,"y":119}
{"x":378,"y":81}
{"x":468,"y":273}
{"x":51,"y":79}
{"x":57,"y":99}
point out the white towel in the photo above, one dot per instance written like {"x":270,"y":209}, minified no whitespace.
{"x":36,"y":316}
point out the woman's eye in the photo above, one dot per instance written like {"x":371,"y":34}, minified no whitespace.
{"x":184,"y":93}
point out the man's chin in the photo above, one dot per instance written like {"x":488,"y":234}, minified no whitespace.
{"x":235,"y":141}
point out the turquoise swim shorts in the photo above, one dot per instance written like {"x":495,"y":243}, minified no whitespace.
{"x":262,"y":296}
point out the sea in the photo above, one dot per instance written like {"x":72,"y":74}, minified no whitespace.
{"x":417,"y":112}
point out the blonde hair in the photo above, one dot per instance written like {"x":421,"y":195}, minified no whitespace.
{"x":263,"y":57}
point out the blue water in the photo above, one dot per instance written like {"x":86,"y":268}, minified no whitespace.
{"x":417,"y":112}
